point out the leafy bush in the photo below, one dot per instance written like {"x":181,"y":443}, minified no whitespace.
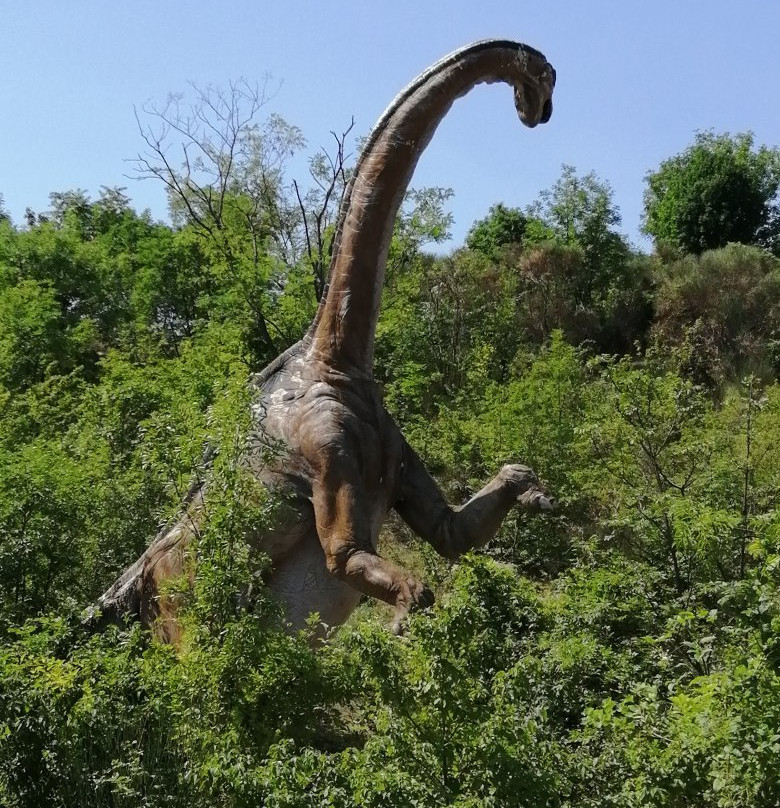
{"x":725,"y":307}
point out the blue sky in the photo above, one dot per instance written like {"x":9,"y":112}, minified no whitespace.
{"x":635,"y":81}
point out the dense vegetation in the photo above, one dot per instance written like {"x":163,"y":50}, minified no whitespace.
{"x":623,"y":652}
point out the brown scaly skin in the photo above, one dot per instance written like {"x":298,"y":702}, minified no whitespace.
{"x":344,"y":463}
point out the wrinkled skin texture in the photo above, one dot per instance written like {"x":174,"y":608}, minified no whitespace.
{"x":343,"y":463}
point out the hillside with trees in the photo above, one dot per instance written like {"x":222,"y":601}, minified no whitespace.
{"x":624,"y":651}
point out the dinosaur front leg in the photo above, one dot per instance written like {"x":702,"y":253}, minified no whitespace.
{"x":454,"y":531}
{"x":344,"y":530}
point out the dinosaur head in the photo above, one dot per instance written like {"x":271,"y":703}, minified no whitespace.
{"x":533,"y":87}
{"x":529,"y":491}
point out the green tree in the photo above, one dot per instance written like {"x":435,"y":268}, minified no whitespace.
{"x":30,"y":333}
{"x":673,"y":494}
{"x":581,"y":212}
{"x":718,"y":190}
{"x":115,"y":278}
{"x":502,"y":226}
{"x":578,"y":272}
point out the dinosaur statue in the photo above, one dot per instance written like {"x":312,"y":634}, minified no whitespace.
{"x":344,"y":463}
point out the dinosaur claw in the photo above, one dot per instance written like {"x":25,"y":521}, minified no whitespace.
{"x":420,"y":597}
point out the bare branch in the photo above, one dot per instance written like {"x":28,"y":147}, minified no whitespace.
{"x":328,"y":172}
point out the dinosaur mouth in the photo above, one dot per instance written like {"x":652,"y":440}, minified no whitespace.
{"x":531,"y":109}
{"x":533,"y":93}
{"x":547,"y":503}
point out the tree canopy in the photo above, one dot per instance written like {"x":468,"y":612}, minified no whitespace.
{"x":720,"y":189}
{"x":502,"y":226}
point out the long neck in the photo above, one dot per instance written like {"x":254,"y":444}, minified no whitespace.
{"x":342,"y":335}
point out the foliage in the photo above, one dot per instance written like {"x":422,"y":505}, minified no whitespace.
{"x":554,"y":293}
{"x":30,"y":334}
{"x":651,"y":436}
{"x":501,"y":227}
{"x":585,"y":280}
{"x":720,"y":189}
{"x":439,"y":318}
{"x":625,"y":651}
{"x":724,"y":305}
